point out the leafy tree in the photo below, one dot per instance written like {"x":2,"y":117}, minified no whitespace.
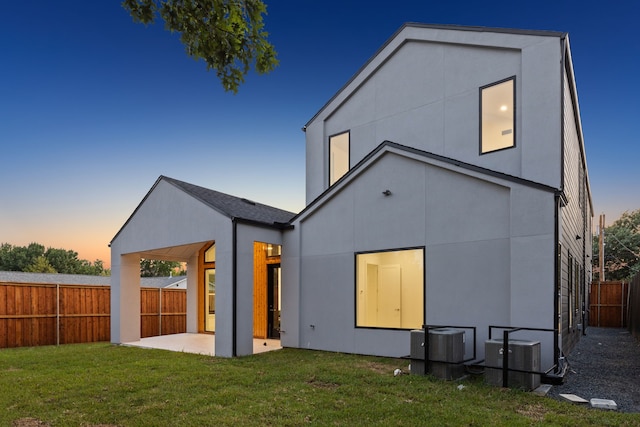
{"x":64,"y":261}
{"x":159,"y":268}
{"x":34,"y":258}
{"x":622,"y":247}
{"x":40,"y":265}
{"x":95,"y":269}
{"x":227,"y":34}
{"x":17,"y":258}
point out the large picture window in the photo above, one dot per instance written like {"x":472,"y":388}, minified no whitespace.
{"x":390,"y":289}
{"x":497,"y":116}
{"x":338,"y":156}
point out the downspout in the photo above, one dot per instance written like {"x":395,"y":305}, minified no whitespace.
{"x":583,"y":282}
{"x":424,"y":314}
{"x":234,"y":287}
{"x":563,"y":41}
{"x":556,"y":284}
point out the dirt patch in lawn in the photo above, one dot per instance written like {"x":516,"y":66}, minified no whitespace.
{"x":378,"y":368}
{"x":29,"y":422}
{"x":533,"y":412}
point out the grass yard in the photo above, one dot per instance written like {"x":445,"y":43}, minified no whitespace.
{"x":105,"y":385}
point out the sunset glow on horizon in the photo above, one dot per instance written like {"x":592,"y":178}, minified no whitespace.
{"x":94,"y":107}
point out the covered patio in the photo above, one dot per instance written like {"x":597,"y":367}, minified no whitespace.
{"x":197,"y":343}
{"x":233,"y":272}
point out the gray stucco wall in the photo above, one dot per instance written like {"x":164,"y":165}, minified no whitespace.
{"x":169,"y":217}
{"x":246,"y":236}
{"x":422,"y":90}
{"x":487,"y":252}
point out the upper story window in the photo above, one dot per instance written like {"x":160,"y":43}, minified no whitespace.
{"x":497,"y":116}
{"x":338,"y":156}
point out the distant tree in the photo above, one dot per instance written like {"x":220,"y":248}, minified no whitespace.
{"x":622,"y":247}
{"x":159,"y":268}
{"x":40,"y":265}
{"x":227,"y":34}
{"x":34,"y":258}
{"x":17,"y":258}
{"x":95,"y":269}
{"x":64,"y":261}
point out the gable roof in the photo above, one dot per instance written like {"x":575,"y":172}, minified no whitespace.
{"x":410,"y":35}
{"x":394,"y":147}
{"x":232,"y":206}
{"x":235,"y":208}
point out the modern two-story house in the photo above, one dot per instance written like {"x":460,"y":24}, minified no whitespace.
{"x":446,"y":184}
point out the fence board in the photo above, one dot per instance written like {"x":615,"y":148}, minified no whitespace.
{"x":150,"y":312}
{"x":174,"y":310}
{"x":3,"y":322}
{"x":28,"y":315}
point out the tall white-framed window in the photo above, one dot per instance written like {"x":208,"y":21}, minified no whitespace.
{"x":209,"y":264}
{"x":497,"y":116}
{"x":390,"y":289}
{"x":338,"y":156}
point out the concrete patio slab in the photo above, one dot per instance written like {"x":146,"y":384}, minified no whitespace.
{"x":197,"y":343}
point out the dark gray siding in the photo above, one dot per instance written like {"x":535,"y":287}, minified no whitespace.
{"x":575,"y":237}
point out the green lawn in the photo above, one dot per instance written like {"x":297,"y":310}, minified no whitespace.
{"x":101,"y":384}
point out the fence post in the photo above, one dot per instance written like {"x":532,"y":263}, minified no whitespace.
{"x":57,"y":313}
{"x":160,"y":312}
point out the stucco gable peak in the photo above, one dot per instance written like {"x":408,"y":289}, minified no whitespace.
{"x":233,"y":207}
{"x":412,"y":31}
{"x":389,"y":147}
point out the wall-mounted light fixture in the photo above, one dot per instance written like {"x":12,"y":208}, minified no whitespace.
{"x":387,"y":192}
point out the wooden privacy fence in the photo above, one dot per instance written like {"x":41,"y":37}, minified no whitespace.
{"x":48,"y":314}
{"x":162,"y":311}
{"x":608,"y":304}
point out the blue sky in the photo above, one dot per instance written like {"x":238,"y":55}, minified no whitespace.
{"x":94,"y":107}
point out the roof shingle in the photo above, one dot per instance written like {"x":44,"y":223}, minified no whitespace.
{"x":234,"y":207}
